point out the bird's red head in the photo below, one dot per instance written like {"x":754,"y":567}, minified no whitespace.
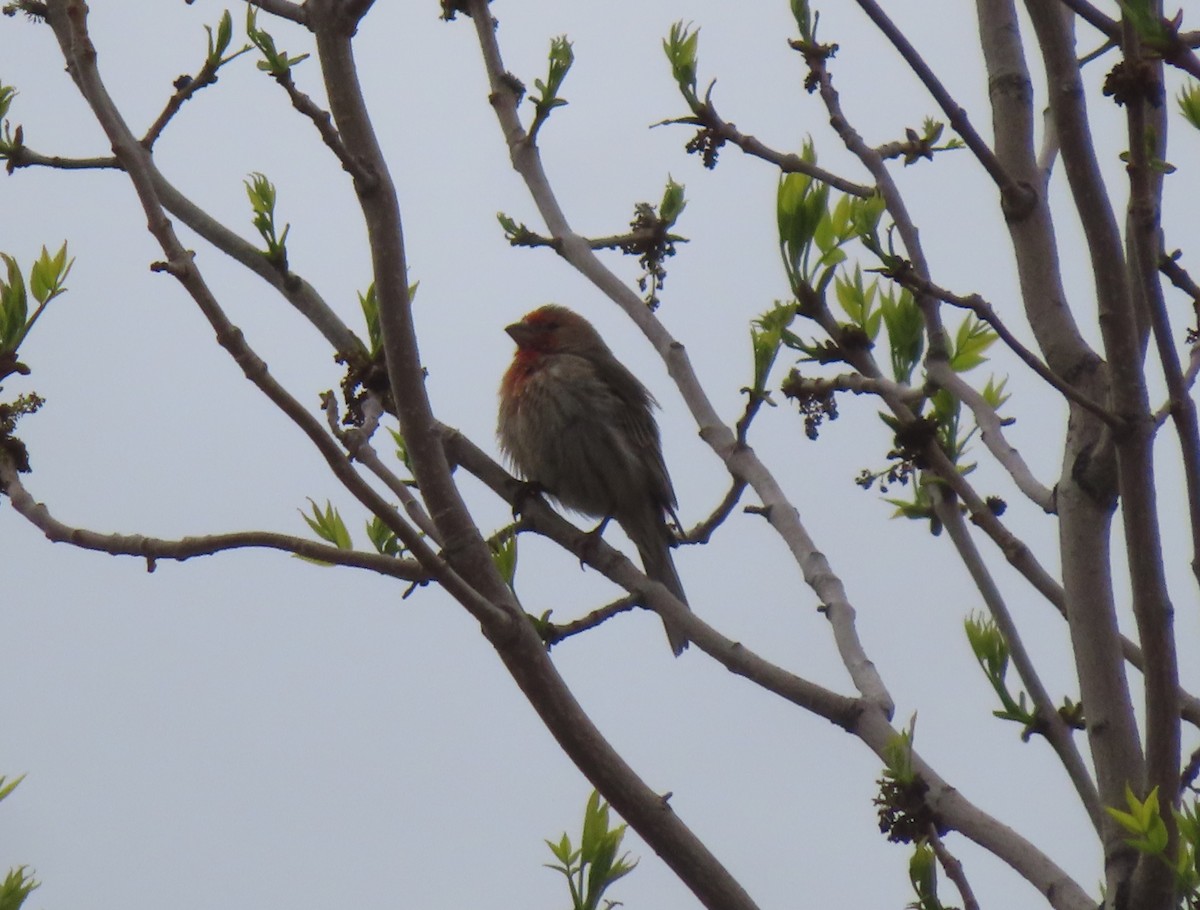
{"x":553,"y":329}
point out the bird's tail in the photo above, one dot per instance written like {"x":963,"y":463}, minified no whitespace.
{"x":657,"y":561}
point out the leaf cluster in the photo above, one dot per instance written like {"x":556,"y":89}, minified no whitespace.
{"x":46,"y":281}
{"x":275,"y":61}
{"x":18,"y":882}
{"x":328,"y":525}
{"x":681,"y":46}
{"x":904,"y":816}
{"x":651,"y":240}
{"x":560,"y":59}
{"x":1143,"y":821}
{"x":595,"y":865}
{"x":262,"y":195}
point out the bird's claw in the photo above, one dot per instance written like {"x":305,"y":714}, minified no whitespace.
{"x":526,"y":490}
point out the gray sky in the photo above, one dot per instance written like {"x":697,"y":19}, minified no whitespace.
{"x":248,"y":730}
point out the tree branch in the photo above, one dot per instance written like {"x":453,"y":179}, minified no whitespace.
{"x":1146,"y":130}
{"x":155,"y":548}
{"x":1089,"y":479}
{"x":284,"y":9}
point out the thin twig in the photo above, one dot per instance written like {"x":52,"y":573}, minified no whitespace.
{"x":954,"y":870}
{"x":23,"y":156}
{"x":702,"y":532}
{"x":1016,"y":196}
{"x":992,"y":433}
{"x":705,"y":116}
{"x":1051,"y":724}
{"x":1107,"y":26}
{"x":323,"y":121}
{"x":185,"y":88}
{"x":556,"y":632}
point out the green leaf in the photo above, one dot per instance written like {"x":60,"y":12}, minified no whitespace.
{"x":7,"y":94}
{"x":1143,"y":821}
{"x":402,"y":450}
{"x":993,"y":393}
{"x":680,"y":46}
{"x":369,"y":303}
{"x":766,"y":337}
{"x":503,"y":547}
{"x":922,"y":874}
{"x":275,"y":61}
{"x":218,"y":46}
{"x":560,"y":59}
{"x":905,"y":329}
{"x":7,"y":788}
{"x":262,"y":195}
{"x":328,"y":525}
{"x":673,"y":203}
{"x":16,"y":888}
{"x":973,"y":338}
{"x":806,"y":22}
{"x":858,"y":302}
{"x":48,"y":274}
{"x":1146,"y":22}
{"x":897,"y":755}
{"x":383,"y":538}
{"x":14,"y":305}
{"x":1188,"y":99}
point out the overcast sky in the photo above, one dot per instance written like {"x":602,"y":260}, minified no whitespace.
{"x":248,"y":730}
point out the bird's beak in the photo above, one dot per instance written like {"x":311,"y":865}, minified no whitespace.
{"x":520,"y":332}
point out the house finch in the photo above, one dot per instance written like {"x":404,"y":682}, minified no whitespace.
{"x":577,"y":423}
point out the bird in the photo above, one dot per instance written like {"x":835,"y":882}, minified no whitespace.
{"x":576,"y":423}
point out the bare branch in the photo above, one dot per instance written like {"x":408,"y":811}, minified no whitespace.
{"x":556,"y":633}
{"x":702,"y":532}
{"x":1116,"y":749}
{"x":185,"y":88}
{"x":22,"y":156}
{"x":298,"y":292}
{"x":155,"y":548}
{"x":323,"y":121}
